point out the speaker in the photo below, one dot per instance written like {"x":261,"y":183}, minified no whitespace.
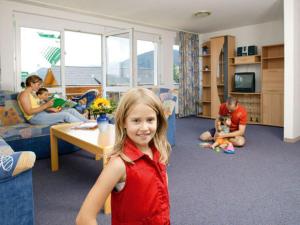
{"x":252,"y":50}
{"x":239,"y":51}
{"x":242,"y":51}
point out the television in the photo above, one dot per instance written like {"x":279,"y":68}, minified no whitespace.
{"x":244,"y":82}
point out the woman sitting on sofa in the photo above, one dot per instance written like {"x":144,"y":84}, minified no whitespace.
{"x":36,"y":113}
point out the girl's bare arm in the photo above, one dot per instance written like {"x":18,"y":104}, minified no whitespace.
{"x":110,"y":176}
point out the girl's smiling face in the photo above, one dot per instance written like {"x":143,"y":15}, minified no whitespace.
{"x":141,"y":125}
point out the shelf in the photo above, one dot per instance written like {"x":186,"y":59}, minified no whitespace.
{"x":245,"y":60}
{"x":253,"y":63}
{"x":245,"y":93}
{"x":220,"y":85}
{"x":205,"y":70}
{"x":273,"y":70}
{"x":205,"y":55}
{"x":273,"y":57}
{"x":206,"y":86}
{"x":206,"y":101}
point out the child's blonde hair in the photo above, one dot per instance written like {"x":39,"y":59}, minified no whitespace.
{"x":130,"y":99}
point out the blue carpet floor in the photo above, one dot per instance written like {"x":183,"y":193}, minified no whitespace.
{"x":259,"y":185}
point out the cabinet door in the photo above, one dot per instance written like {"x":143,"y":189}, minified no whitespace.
{"x":272,"y":80}
{"x":272,"y":108}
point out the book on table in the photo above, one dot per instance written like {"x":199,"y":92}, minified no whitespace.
{"x":86,"y":125}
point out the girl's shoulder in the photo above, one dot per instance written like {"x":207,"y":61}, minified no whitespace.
{"x":116,"y":163}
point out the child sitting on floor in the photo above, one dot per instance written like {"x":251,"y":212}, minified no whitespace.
{"x":223,"y":127}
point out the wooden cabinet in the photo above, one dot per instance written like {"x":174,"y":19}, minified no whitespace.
{"x":272,"y":80}
{"x":251,"y":101}
{"x":217,"y":73}
{"x":272,"y":84}
{"x":272,"y":105}
{"x":219,"y":63}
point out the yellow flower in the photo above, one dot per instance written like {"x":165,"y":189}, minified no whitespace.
{"x":102,"y":105}
{"x":101,"y":102}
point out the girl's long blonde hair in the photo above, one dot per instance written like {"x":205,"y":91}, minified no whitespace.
{"x":127,"y":102}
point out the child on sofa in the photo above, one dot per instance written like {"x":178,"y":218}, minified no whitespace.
{"x":223,"y":126}
{"x":43,"y":95}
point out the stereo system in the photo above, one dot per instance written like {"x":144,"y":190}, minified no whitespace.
{"x":246,"y":50}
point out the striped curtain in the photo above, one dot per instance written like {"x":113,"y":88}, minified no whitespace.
{"x":189,"y":74}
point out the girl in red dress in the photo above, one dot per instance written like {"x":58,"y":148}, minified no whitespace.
{"x":136,"y":173}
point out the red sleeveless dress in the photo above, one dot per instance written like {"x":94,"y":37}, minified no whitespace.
{"x":144,"y":200}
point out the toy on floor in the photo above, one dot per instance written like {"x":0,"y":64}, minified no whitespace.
{"x":205,"y":144}
{"x":223,"y":127}
{"x":229,"y":149}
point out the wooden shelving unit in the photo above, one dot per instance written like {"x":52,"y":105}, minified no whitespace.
{"x":272,"y":84}
{"x":206,"y":80}
{"x":264,"y":106}
{"x":216,"y":73}
{"x":252,"y":102}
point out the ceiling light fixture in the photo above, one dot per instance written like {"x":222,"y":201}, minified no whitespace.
{"x":202,"y":13}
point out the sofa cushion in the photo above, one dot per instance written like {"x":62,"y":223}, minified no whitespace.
{"x":23,"y":131}
{"x":10,"y":113}
{"x":5,"y":149}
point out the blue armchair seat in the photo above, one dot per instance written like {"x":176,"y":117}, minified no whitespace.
{"x":16,"y":192}
{"x":16,"y":200}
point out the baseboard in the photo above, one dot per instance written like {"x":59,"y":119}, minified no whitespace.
{"x":292,"y":140}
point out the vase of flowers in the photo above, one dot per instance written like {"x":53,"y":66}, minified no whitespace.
{"x":100,"y":108}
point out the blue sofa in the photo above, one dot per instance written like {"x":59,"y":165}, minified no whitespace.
{"x":22,"y":136}
{"x":169,"y":102}
{"x":16,"y":194}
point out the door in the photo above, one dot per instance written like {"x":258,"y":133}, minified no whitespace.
{"x":118,"y":63}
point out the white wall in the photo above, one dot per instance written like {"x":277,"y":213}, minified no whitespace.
{"x":297,"y":68}
{"x":258,"y":34}
{"x":68,"y":20}
{"x":292,"y":70}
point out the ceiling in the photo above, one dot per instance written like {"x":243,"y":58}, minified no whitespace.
{"x":178,"y":14}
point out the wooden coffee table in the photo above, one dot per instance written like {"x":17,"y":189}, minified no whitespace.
{"x":90,"y":140}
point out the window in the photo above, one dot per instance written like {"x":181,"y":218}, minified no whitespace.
{"x":118,"y":60}
{"x":82,"y":58}
{"x":146,"y":62}
{"x":41,"y":54}
{"x":176,"y":62}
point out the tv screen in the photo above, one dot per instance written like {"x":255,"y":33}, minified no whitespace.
{"x":244,"y":82}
